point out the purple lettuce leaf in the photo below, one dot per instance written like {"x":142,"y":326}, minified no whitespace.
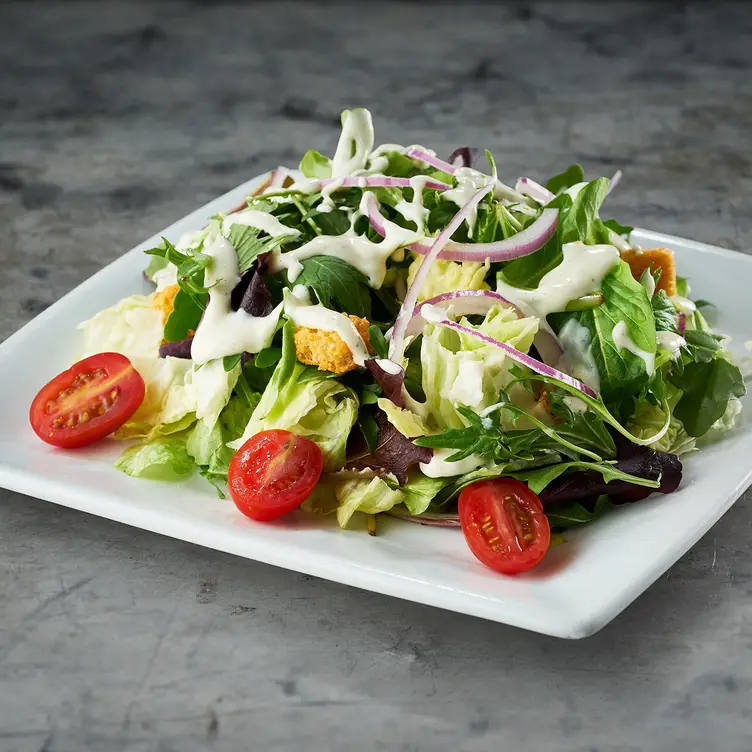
{"x":179,"y":349}
{"x":252,"y":295}
{"x":394,"y":453}
{"x":463,"y":157}
{"x":391,"y":383}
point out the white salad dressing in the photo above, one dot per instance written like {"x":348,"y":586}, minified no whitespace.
{"x":223,"y":331}
{"x":260,"y":220}
{"x":414,"y":210}
{"x":685,"y":305}
{"x":469,"y":181}
{"x":647,"y":280}
{"x":357,"y":250}
{"x":389,"y":366}
{"x":670,"y":341}
{"x":623,"y":341}
{"x":355,"y":143}
{"x":438,"y":467}
{"x":301,"y":312}
{"x":327,"y":202}
{"x":581,"y":272}
{"x":578,"y":358}
{"x":165,"y":277}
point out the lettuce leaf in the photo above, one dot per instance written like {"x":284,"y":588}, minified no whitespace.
{"x":164,"y":458}
{"x":307,"y":402}
{"x":449,"y":276}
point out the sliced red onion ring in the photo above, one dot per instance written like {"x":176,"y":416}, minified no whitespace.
{"x":462,"y":303}
{"x":614,"y":182}
{"x":681,"y":322}
{"x":528,"y":187}
{"x":431,"y":159}
{"x":379,"y":181}
{"x":525,"y":242}
{"x":520,"y":357}
{"x":397,"y":342}
{"x":278,"y":177}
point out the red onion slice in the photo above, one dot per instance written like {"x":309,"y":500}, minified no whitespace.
{"x":463,"y":303}
{"x":379,"y":181}
{"x":278,"y":177}
{"x":528,"y":187}
{"x":396,"y":344}
{"x":431,"y":159}
{"x":614,"y":182}
{"x":681,"y":322}
{"x":525,"y":242}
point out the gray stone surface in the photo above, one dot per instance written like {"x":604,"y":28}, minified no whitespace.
{"x":117,"y":118}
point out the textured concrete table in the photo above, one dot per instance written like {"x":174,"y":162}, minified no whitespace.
{"x":116,"y":119}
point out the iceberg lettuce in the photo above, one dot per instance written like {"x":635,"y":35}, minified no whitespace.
{"x":449,"y":276}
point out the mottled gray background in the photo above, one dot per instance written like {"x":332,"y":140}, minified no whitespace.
{"x":118,"y":118}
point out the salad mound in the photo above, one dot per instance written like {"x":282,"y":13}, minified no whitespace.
{"x":429,"y":329}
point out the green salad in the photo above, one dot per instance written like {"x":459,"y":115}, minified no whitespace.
{"x":389,"y":332}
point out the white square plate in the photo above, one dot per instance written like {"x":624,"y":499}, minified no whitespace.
{"x":579,"y":587}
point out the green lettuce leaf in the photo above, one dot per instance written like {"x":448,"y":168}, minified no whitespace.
{"x":573,"y":513}
{"x":307,"y":402}
{"x":316,"y":165}
{"x":164,"y":458}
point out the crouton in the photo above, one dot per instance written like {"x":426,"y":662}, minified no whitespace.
{"x":327,"y":350}
{"x":656,"y":259}
{"x":164,"y":301}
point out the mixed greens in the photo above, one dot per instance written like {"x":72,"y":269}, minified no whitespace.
{"x":427,"y":326}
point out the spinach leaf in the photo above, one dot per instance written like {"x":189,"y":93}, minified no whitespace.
{"x":378,"y":341}
{"x":571,"y":176}
{"x":190,"y":269}
{"x":618,"y":228}
{"x":664,"y":312}
{"x":581,"y":222}
{"x":337,"y":285}
{"x":184,"y":317}
{"x":708,"y":387}
{"x":702,"y":345}
{"x":624,"y":299}
{"x":572,"y":513}
{"x":315,"y":165}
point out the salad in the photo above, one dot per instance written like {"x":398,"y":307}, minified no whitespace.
{"x":389,"y":332}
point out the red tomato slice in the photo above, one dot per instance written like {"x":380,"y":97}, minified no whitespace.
{"x":87,"y":402}
{"x":504,"y":524}
{"x":273,"y":473}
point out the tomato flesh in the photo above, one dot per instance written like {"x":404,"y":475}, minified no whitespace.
{"x":504,"y":524}
{"x":90,"y":400}
{"x":273,"y":473}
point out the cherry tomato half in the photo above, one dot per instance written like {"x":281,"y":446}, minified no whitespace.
{"x":504,"y":524}
{"x":273,"y":473}
{"x":87,"y":402}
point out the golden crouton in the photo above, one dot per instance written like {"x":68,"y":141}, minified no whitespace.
{"x":326,"y":350}
{"x":657,"y":259}
{"x":164,"y":301}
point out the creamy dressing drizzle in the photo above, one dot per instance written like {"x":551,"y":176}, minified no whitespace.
{"x":623,"y":341}
{"x":388,"y":365}
{"x":468,"y":183}
{"x":467,"y":388}
{"x":414,"y":211}
{"x":578,"y":360}
{"x":223,"y":331}
{"x":685,"y":305}
{"x":260,"y":220}
{"x":438,"y":467}
{"x":355,"y":143}
{"x":647,"y":280}
{"x":357,"y":250}
{"x":671,"y":342}
{"x":301,"y":312}
{"x":581,"y":272}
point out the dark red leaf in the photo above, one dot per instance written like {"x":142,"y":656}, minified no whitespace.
{"x":463,"y":157}
{"x":394,"y":453}
{"x":391,"y":383}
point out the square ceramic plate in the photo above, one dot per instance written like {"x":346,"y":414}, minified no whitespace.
{"x":579,"y":587}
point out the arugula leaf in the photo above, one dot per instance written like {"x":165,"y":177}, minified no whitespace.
{"x":156,"y":263}
{"x":190,"y":269}
{"x":268,"y":357}
{"x":249,"y":246}
{"x":664,"y":312}
{"x":702,"y":345}
{"x":572,"y":513}
{"x":337,"y":285}
{"x":571,"y":176}
{"x":315,"y":165}
{"x":708,"y":387}
{"x":369,"y":427}
{"x":624,"y":299}
{"x":581,"y":222}
{"x":539,"y":478}
{"x":618,"y":228}
{"x":184,"y":317}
